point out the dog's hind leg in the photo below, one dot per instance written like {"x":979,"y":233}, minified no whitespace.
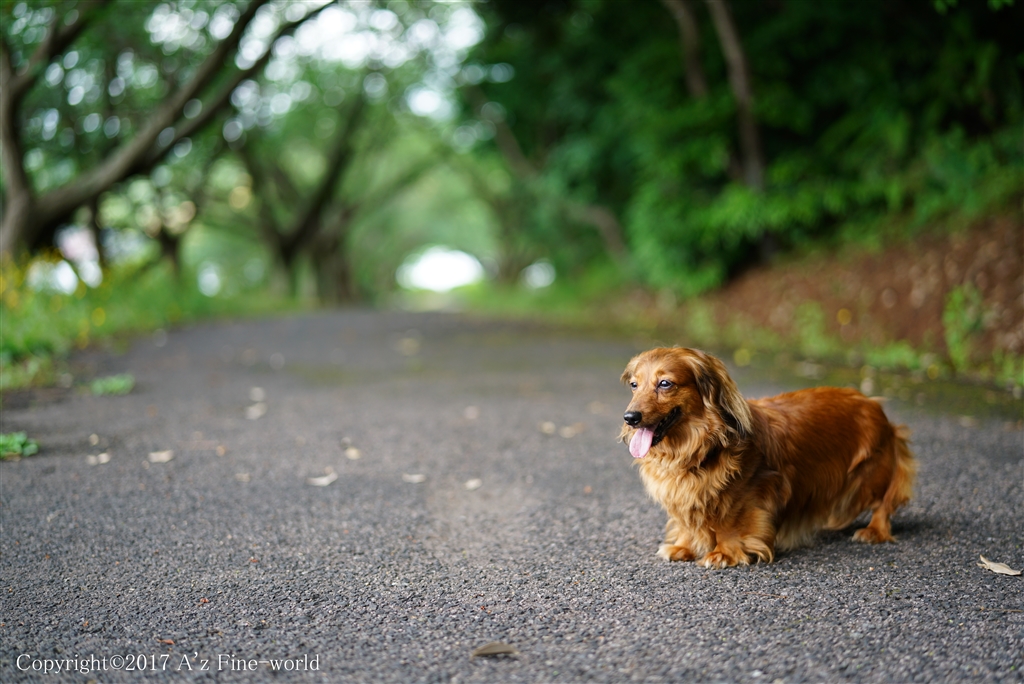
{"x":896,"y":494}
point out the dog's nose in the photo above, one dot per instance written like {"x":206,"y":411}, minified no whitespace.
{"x":632,"y":418}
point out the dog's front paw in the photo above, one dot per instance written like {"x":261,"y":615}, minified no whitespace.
{"x":676,"y":552}
{"x":719,"y":559}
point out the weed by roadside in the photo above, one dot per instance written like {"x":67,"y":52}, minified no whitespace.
{"x":113,"y":384}
{"x":17,"y":444}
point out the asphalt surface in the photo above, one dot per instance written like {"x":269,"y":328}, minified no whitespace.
{"x":464,"y":520}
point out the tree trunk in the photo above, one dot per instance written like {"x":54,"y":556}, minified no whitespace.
{"x":739,"y":81}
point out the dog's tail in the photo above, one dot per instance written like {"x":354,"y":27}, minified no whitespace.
{"x":902,"y":482}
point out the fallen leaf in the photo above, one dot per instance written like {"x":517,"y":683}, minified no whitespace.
{"x":94,"y":439}
{"x":408,"y":346}
{"x":161,"y":456}
{"x":204,"y":600}
{"x":999,"y":568}
{"x":98,"y":459}
{"x":256,"y":411}
{"x":353,"y":454}
{"x":415,"y":478}
{"x":169,"y":642}
{"x":473,"y":484}
{"x":323,"y":480}
{"x":495,"y":648}
{"x":548,"y":428}
{"x":221,"y":450}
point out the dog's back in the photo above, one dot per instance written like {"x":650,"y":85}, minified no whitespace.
{"x":839,"y":455}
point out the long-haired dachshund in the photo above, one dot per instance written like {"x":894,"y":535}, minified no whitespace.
{"x":741,"y":478}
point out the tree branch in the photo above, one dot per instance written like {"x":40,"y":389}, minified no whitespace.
{"x":125,"y":159}
{"x":689,"y":37}
{"x":268,"y":223}
{"x":223,"y":96}
{"x":504,"y":137}
{"x":341,"y":155}
{"x":56,"y":40}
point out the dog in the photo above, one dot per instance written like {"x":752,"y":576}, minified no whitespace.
{"x":741,"y":478}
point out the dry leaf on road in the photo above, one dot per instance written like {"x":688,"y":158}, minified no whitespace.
{"x":495,"y":648}
{"x":256,"y":411}
{"x":999,"y":568}
{"x":161,"y":456}
{"x":323,"y":480}
{"x":473,"y":484}
{"x":414,"y":478}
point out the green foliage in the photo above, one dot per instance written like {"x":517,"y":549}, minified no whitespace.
{"x":16,"y":445}
{"x":961,"y":320}
{"x":812,"y":335}
{"x":119,"y":384}
{"x":865,"y":110}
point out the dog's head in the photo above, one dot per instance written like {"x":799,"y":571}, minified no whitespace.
{"x":683,"y":399}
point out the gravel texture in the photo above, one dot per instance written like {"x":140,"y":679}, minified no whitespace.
{"x":489,"y":501}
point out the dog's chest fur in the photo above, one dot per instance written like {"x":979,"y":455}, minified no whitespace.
{"x":691,"y":493}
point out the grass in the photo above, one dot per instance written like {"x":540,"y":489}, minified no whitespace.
{"x":39,"y":328}
{"x":693,"y":322}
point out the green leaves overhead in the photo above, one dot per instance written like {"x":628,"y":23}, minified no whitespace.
{"x":862,"y":109}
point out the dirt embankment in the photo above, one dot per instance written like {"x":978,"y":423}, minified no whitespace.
{"x":900,"y":292}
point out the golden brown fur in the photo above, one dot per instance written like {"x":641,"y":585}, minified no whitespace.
{"x":741,"y":478}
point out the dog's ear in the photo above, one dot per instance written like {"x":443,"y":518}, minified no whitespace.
{"x":630,"y":369}
{"x":719,"y":391}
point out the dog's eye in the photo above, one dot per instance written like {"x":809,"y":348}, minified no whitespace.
{"x":664,"y":384}
{"x":633,"y":385}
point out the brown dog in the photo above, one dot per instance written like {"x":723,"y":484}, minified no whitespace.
{"x":741,"y":478}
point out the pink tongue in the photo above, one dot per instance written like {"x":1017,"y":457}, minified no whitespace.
{"x":640,"y":444}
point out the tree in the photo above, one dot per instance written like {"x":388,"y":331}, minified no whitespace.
{"x":30,"y":219}
{"x":856,"y":117}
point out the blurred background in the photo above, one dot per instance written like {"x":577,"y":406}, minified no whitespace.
{"x":814,"y":181}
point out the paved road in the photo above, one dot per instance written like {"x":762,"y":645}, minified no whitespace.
{"x":226,"y":556}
